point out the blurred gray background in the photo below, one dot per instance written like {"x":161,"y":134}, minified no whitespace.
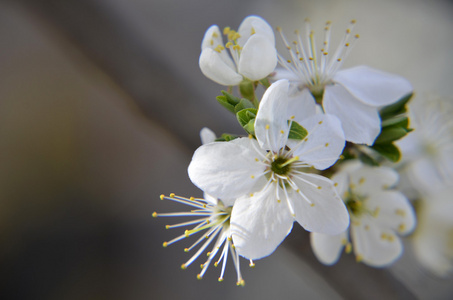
{"x":101,"y":103}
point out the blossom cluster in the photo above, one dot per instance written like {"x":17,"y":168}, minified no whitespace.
{"x":319,"y":148}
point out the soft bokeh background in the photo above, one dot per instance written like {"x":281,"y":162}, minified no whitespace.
{"x":101,"y":102}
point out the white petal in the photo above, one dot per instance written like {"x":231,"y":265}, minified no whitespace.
{"x":373,"y":87}
{"x":225,"y":169}
{"x":271,"y":123}
{"x":255,"y":25}
{"x":302,"y":106}
{"x":258,"y":58}
{"x":393,"y":211}
{"x":374,"y":246}
{"x":321,"y":210}
{"x":327,"y":248}
{"x":214,"y":67}
{"x":210,"y":199}
{"x":361,"y":123}
{"x":207,"y":135}
{"x":259,"y":223}
{"x":213,"y":39}
{"x":324,"y":143}
{"x":366,"y":180}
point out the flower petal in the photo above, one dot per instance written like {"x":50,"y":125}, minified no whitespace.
{"x":373,"y":245}
{"x":271,"y":123}
{"x":258,"y":58}
{"x":361,"y":123}
{"x":259,"y":223}
{"x":327,"y":248}
{"x":317,"y":206}
{"x":324,"y":143}
{"x":214,"y":67}
{"x":255,"y":25}
{"x":392,"y":211}
{"x":225,"y":169}
{"x":213,"y":39}
{"x":302,"y":106}
{"x":368,"y":180}
{"x":373,"y":87}
{"x":207,"y":135}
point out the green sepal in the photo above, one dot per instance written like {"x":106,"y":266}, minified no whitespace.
{"x":243,"y":104}
{"x":265,"y":82}
{"x":246,"y":118}
{"x":247,"y":89}
{"x":367,"y":159}
{"x":226,"y":137}
{"x":228,"y":101}
{"x":389,"y":151}
{"x":297,"y":132}
{"x":402,"y":121}
{"x":396,"y":108}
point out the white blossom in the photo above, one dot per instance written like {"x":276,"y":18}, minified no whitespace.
{"x":377,"y":214}
{"x":270,"y":179}
{"x":252,"y":54}
{"x":353,"y":95}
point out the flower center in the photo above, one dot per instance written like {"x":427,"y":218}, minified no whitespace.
{"x":354,"y":203}
{"x":281,"y":166}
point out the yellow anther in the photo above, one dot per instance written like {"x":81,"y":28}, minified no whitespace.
{"x":278,"y":28}
{"x":335,"y":184}
{"x":319,"y":187}
{"x":384,"y":236}
{"x":207,"y":221}
{"x":250,"y":136}
{"x":342,"y":156}
{"x":252,"y":264}
{"x":236,"y":36}
{"x":164,"y":244}
{"x":348,"y":31}
{"x":391,"y":238}
{"x":186,"y":233}
{"x":352,"y":186}
{"x":183,"y":266}
{"x":154,"y":214}
{"x":357,"y":36}
{"x":228,"y":45}
{"x":211,"y":42}
{"x":237,"y":47}
{"x":229,"y":238}
{"x":326,"y":28}
{"x":353,"y":21}
{"x":400,"y":212}
{"x":312,"y":204}
{"x":220,"y":279}
{"x":162,"y":197}
{"x":338,"y":59}
{"x":346,"y":45}
{"x":402,"y":227}
{"x":306,"y":139}
{"x":282,"y":132}
{"x":288,"y":61}
{"x":292,"y":117}
{"x":240,"y":283}
{"x":226,"y":30}
{"x":215,"y":35}
{"x":328,"y":23}
{"x":327,"y":145}
{"x":192,"y":198}
{"x":219,"y":48}
{"x":267,"y":126}
{"x":256,"y":159}
{"x":320,"y":122}
{"x":278,"y":200}
{"x":172,"y":195}
{"x":167,"y":226}
{"x":186,"y":249}
{"x":325,"y":53}
{"x":359,"y":258}
{"x":252,"y":176}
{"x":201,"y":266}
{"x":310,"y":58}
{"x":376,"y":212}
{"x":251,"y":195}
{"x":344,"y":241}
{"x":348,"y":248}
{"x":362,"y":180}
{"x":199,"y":277}
{"x":301,"y":59}
{"x":252,"y":31}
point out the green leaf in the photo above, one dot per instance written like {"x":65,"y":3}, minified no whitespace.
{"x":297,"y":132}
{"x":368,"y":160}
{"x":246,"y":118}
{"x":396,"y":108}
{"x":243,"y":104}
{"x":401,"y":121}
{"x":265,"y":82}
{"x":389,"y":151}
{"x":390,"y":134}
{"x":226,"y":137}
{"x":224,"y":102}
